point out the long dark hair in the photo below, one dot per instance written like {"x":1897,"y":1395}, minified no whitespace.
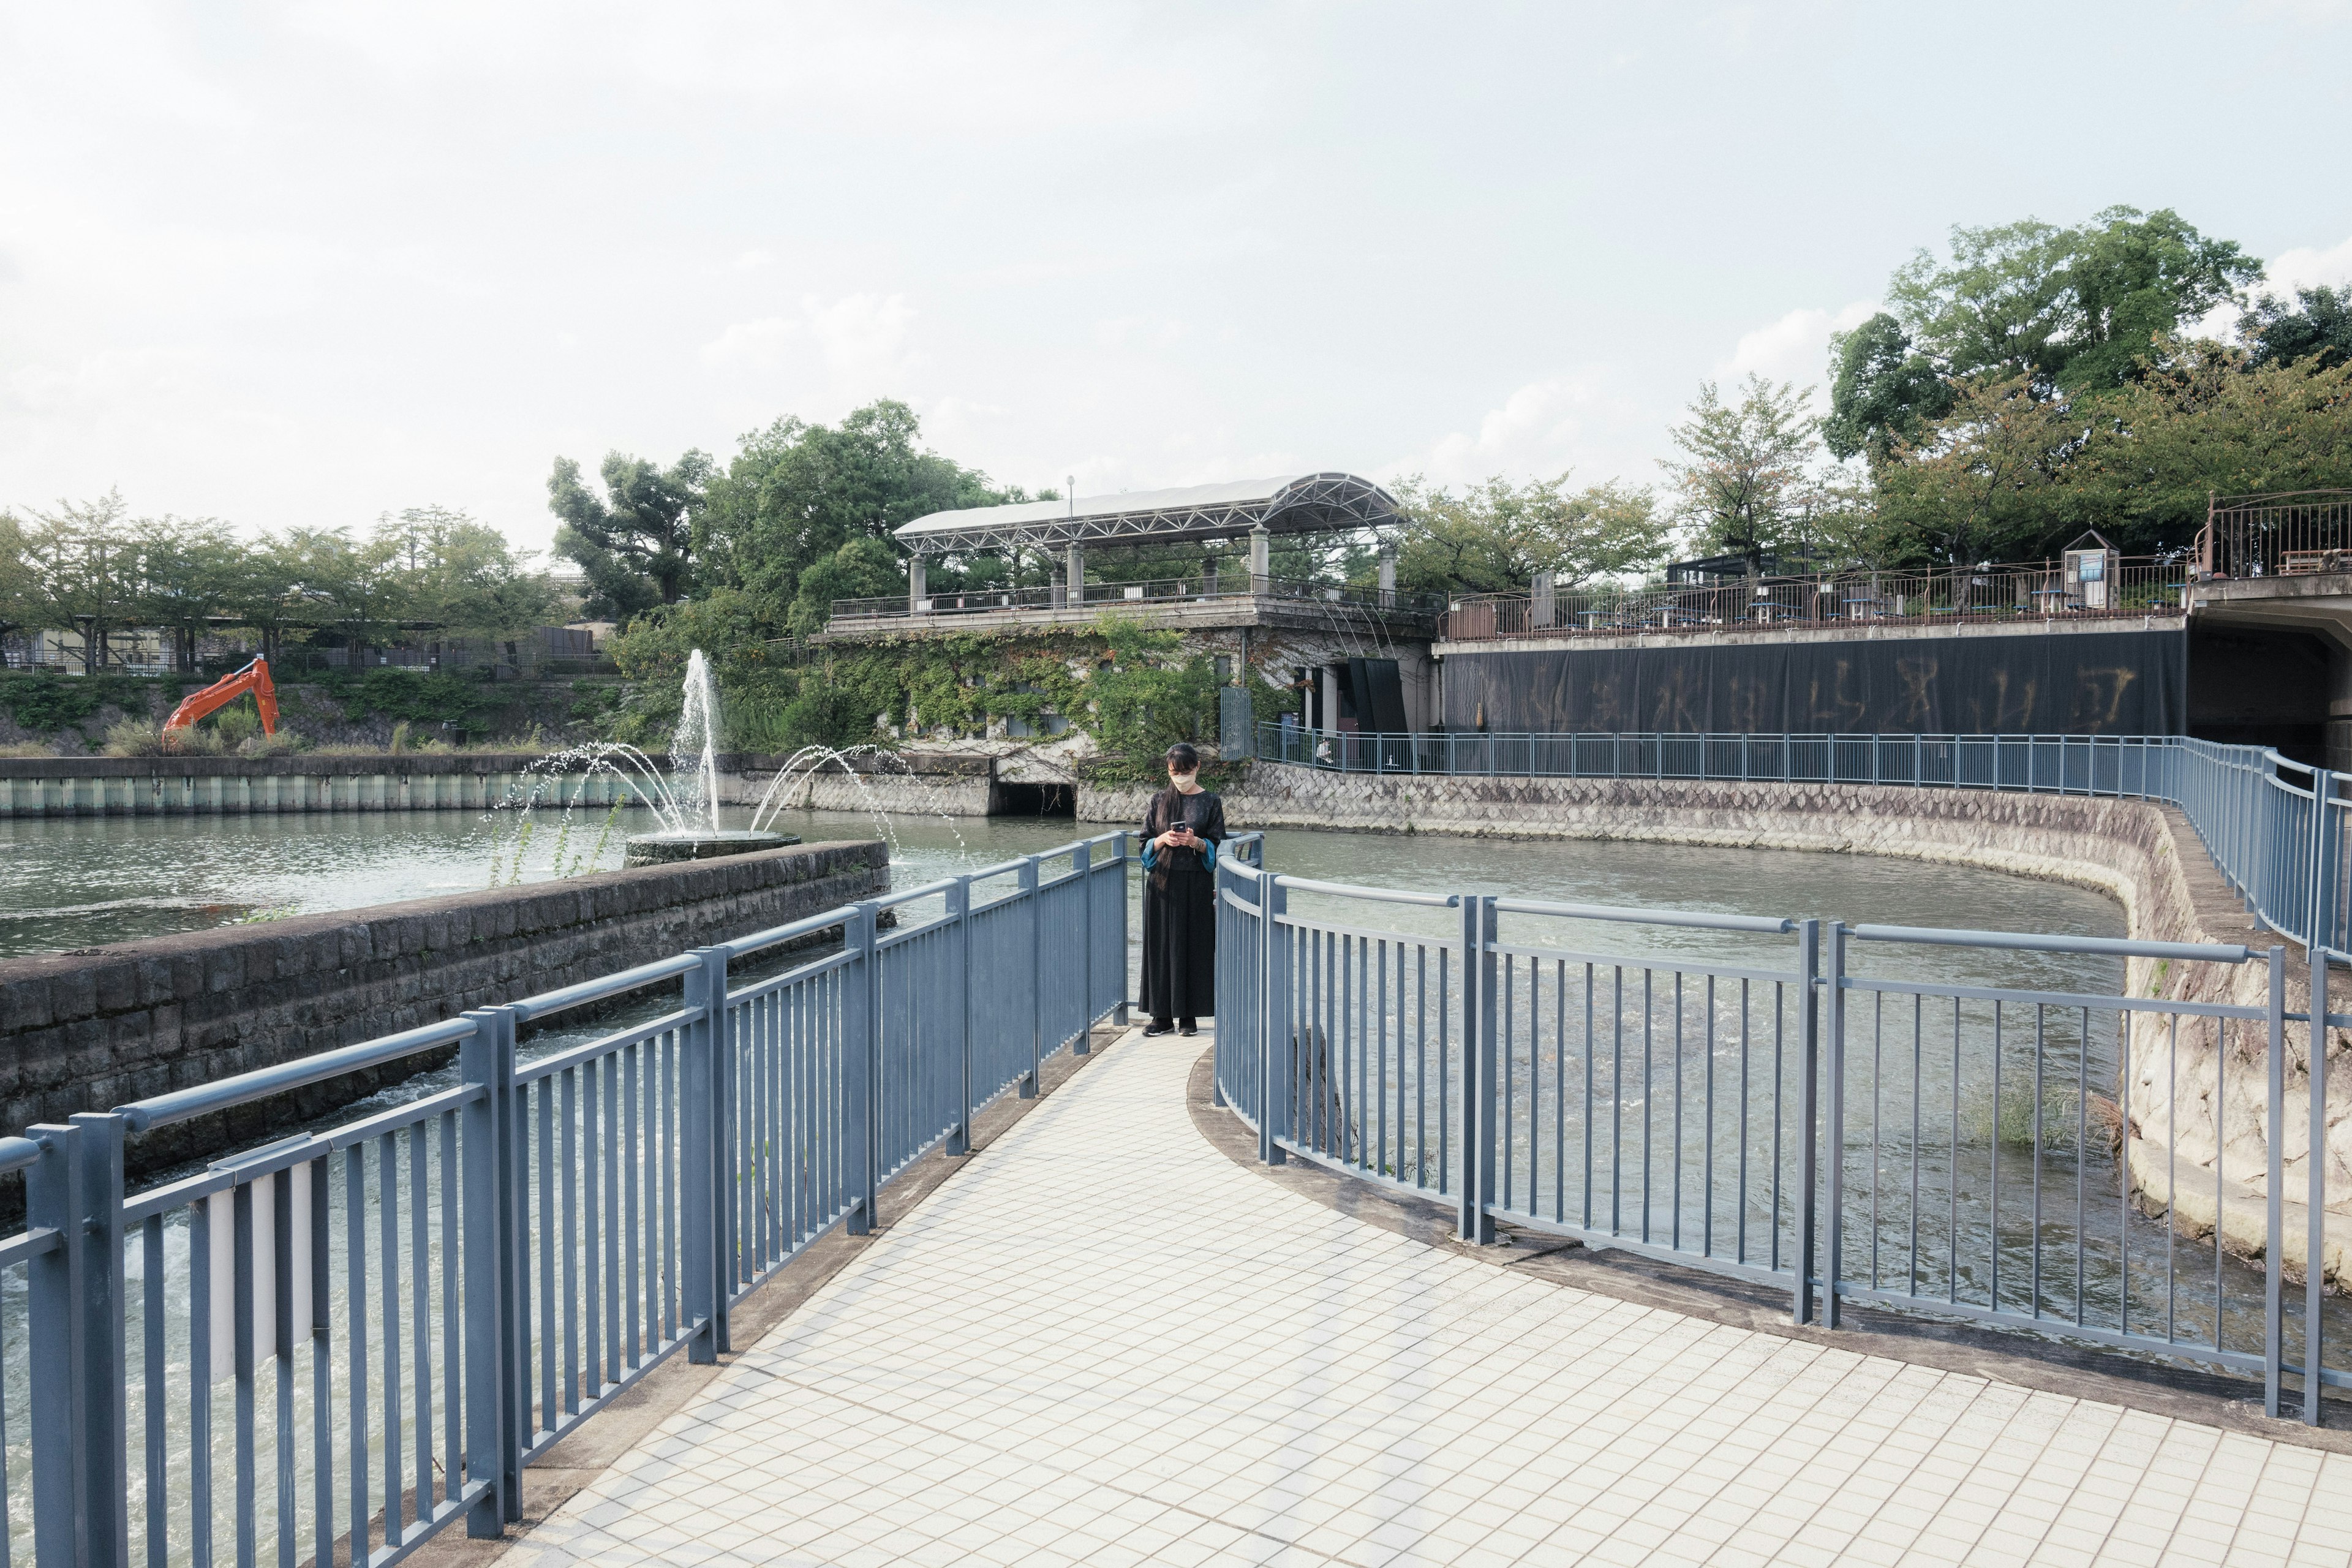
{"x":1184,"y":758}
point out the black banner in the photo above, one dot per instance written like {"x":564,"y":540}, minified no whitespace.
{"x":2092,"y":683}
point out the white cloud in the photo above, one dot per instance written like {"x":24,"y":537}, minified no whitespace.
{"x":1795,"y":348}
{"x":2308,"y":268}
{"x":2305,"y":267}
{"x":758,"y":343}
{"x":859,"y":336}
{"x":1536,"y":430}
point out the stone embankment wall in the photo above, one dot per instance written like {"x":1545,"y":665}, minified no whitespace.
{"x":2181,"y":1104}
{"x":89,"y":1030}
{"x":923,"y":784}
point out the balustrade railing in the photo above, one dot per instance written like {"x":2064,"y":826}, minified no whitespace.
{"x":2285,"y":535}
{"x":1982,"y":595}
{"x":1110,"y":596}
{"x":1778,"y":1100}
{"x":338,"y":1345}
{"x":2276,"y":827}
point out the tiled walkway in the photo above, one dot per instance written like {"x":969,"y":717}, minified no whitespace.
{"x":1105,"y":1342}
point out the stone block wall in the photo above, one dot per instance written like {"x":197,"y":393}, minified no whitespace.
{"x":91,"y":1030}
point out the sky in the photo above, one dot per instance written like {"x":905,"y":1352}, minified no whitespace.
{"x":303,"y":264}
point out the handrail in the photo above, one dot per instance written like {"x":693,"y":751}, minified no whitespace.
{"x":163,"y":1110}
{"x":1377,"y":895}
{"x":1697,"y":920}
{"x":587,"y":991}
{"x":2107,"y":946}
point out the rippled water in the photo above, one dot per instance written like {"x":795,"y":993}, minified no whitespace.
{"x":74,"y":883}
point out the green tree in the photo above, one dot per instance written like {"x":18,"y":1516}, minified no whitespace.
{"x":2318,"y":323}
{"x":1984,"y":483}
{"x":84,"y":561}
{"x":797,"y":492}
{"x":460,"y":576}
{"x":1494,"y":536}
{"x":1882,"y":391}
{"x":863,"y":568}
{"x":2203,"y":419}
{"x":634,"y":543}
{"x":2063,"y":308}
{"x":1743,"y":481}
{"x":187,"y":575}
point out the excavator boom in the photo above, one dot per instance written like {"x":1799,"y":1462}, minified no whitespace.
{"x":253,"y":678}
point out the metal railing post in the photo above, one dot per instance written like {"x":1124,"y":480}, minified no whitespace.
{"x":1126,"y":860}
{"x":959,"y":902}
{"x":2274,"y":1224}
{"x":2315,"y":1238}
{"x":58,"y":1322}
{"x":1809,"y":969}
{"x":2326,"y":867}
{"x":864,"y":1034}
{"x":105,"y":1380}
{"x":513,"y":1198}
{"x":1274,"y":1092}
{"x":488,"y":1330}
{"x":1835,"y":1143}
{"x":728,"y":1155}
{"x":1028,"y":894}
{"x":1479,"y":1106}
{"x":1082,"y":859}
{"x":698,"y":1160}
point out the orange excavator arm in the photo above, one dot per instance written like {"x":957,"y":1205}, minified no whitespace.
{"x":253,"y":678}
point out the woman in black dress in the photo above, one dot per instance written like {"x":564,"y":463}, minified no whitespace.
{"x":1181,"y":833}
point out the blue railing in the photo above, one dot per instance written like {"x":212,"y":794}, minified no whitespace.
{"x":338,"y":1345}
{"x":2274,"y":826}
{"x":1745,"y":1096}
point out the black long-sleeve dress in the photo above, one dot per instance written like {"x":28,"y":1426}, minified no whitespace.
{"x":1179,"y":909}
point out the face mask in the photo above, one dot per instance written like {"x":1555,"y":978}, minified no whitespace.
{"x":1183,"y":781}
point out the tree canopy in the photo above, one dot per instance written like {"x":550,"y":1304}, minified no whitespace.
{"x":634,"y":543}
{"x":796,"y":493}
{"x":1494,"y":536}
{"x":1745,"y":482}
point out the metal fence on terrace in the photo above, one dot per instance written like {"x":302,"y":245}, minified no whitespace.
{"x":335,"y":1346}
{"x":1986,"y":596}
{"x":1157,"y":591}
{"x":2013,"y":1130}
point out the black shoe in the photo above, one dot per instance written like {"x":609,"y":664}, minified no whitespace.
{"x":1188,"y":1027}
{"x":1156,"y":1027}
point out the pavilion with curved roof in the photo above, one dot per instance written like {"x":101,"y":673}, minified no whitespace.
{"x":1300,"y":503}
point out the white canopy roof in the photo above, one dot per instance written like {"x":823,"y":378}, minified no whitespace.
{"x":1308,"y":503}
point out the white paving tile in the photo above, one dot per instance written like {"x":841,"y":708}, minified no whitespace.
{"x":1104,"y":1343}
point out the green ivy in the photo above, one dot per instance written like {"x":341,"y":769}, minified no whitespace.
{"x":43,"y":702}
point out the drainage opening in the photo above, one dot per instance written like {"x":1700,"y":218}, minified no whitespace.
{"x":1033,"y":800}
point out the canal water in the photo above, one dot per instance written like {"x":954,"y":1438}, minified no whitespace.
{"x":77,"y":883}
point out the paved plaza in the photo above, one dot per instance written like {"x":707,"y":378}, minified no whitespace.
{"x":1105,"y":1342}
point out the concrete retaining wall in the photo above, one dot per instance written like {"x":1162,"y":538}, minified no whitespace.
{"x":925,"y":784}
{"x":87,"y":1031}
{"x":2144,"y":856}
{"x":239,"y":786}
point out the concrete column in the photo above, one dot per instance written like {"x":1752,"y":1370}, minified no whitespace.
{"x":1388,"y":576}
{"x":1261,"y":554}
{"x":1074,"y":574}
{"x":1329,"y":703}
{"x":915,"y":592}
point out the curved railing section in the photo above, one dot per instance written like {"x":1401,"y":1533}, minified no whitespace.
{"x":336,"y":1345}
{"x":1919,"y":1119}
{"x":2274,"y":826}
